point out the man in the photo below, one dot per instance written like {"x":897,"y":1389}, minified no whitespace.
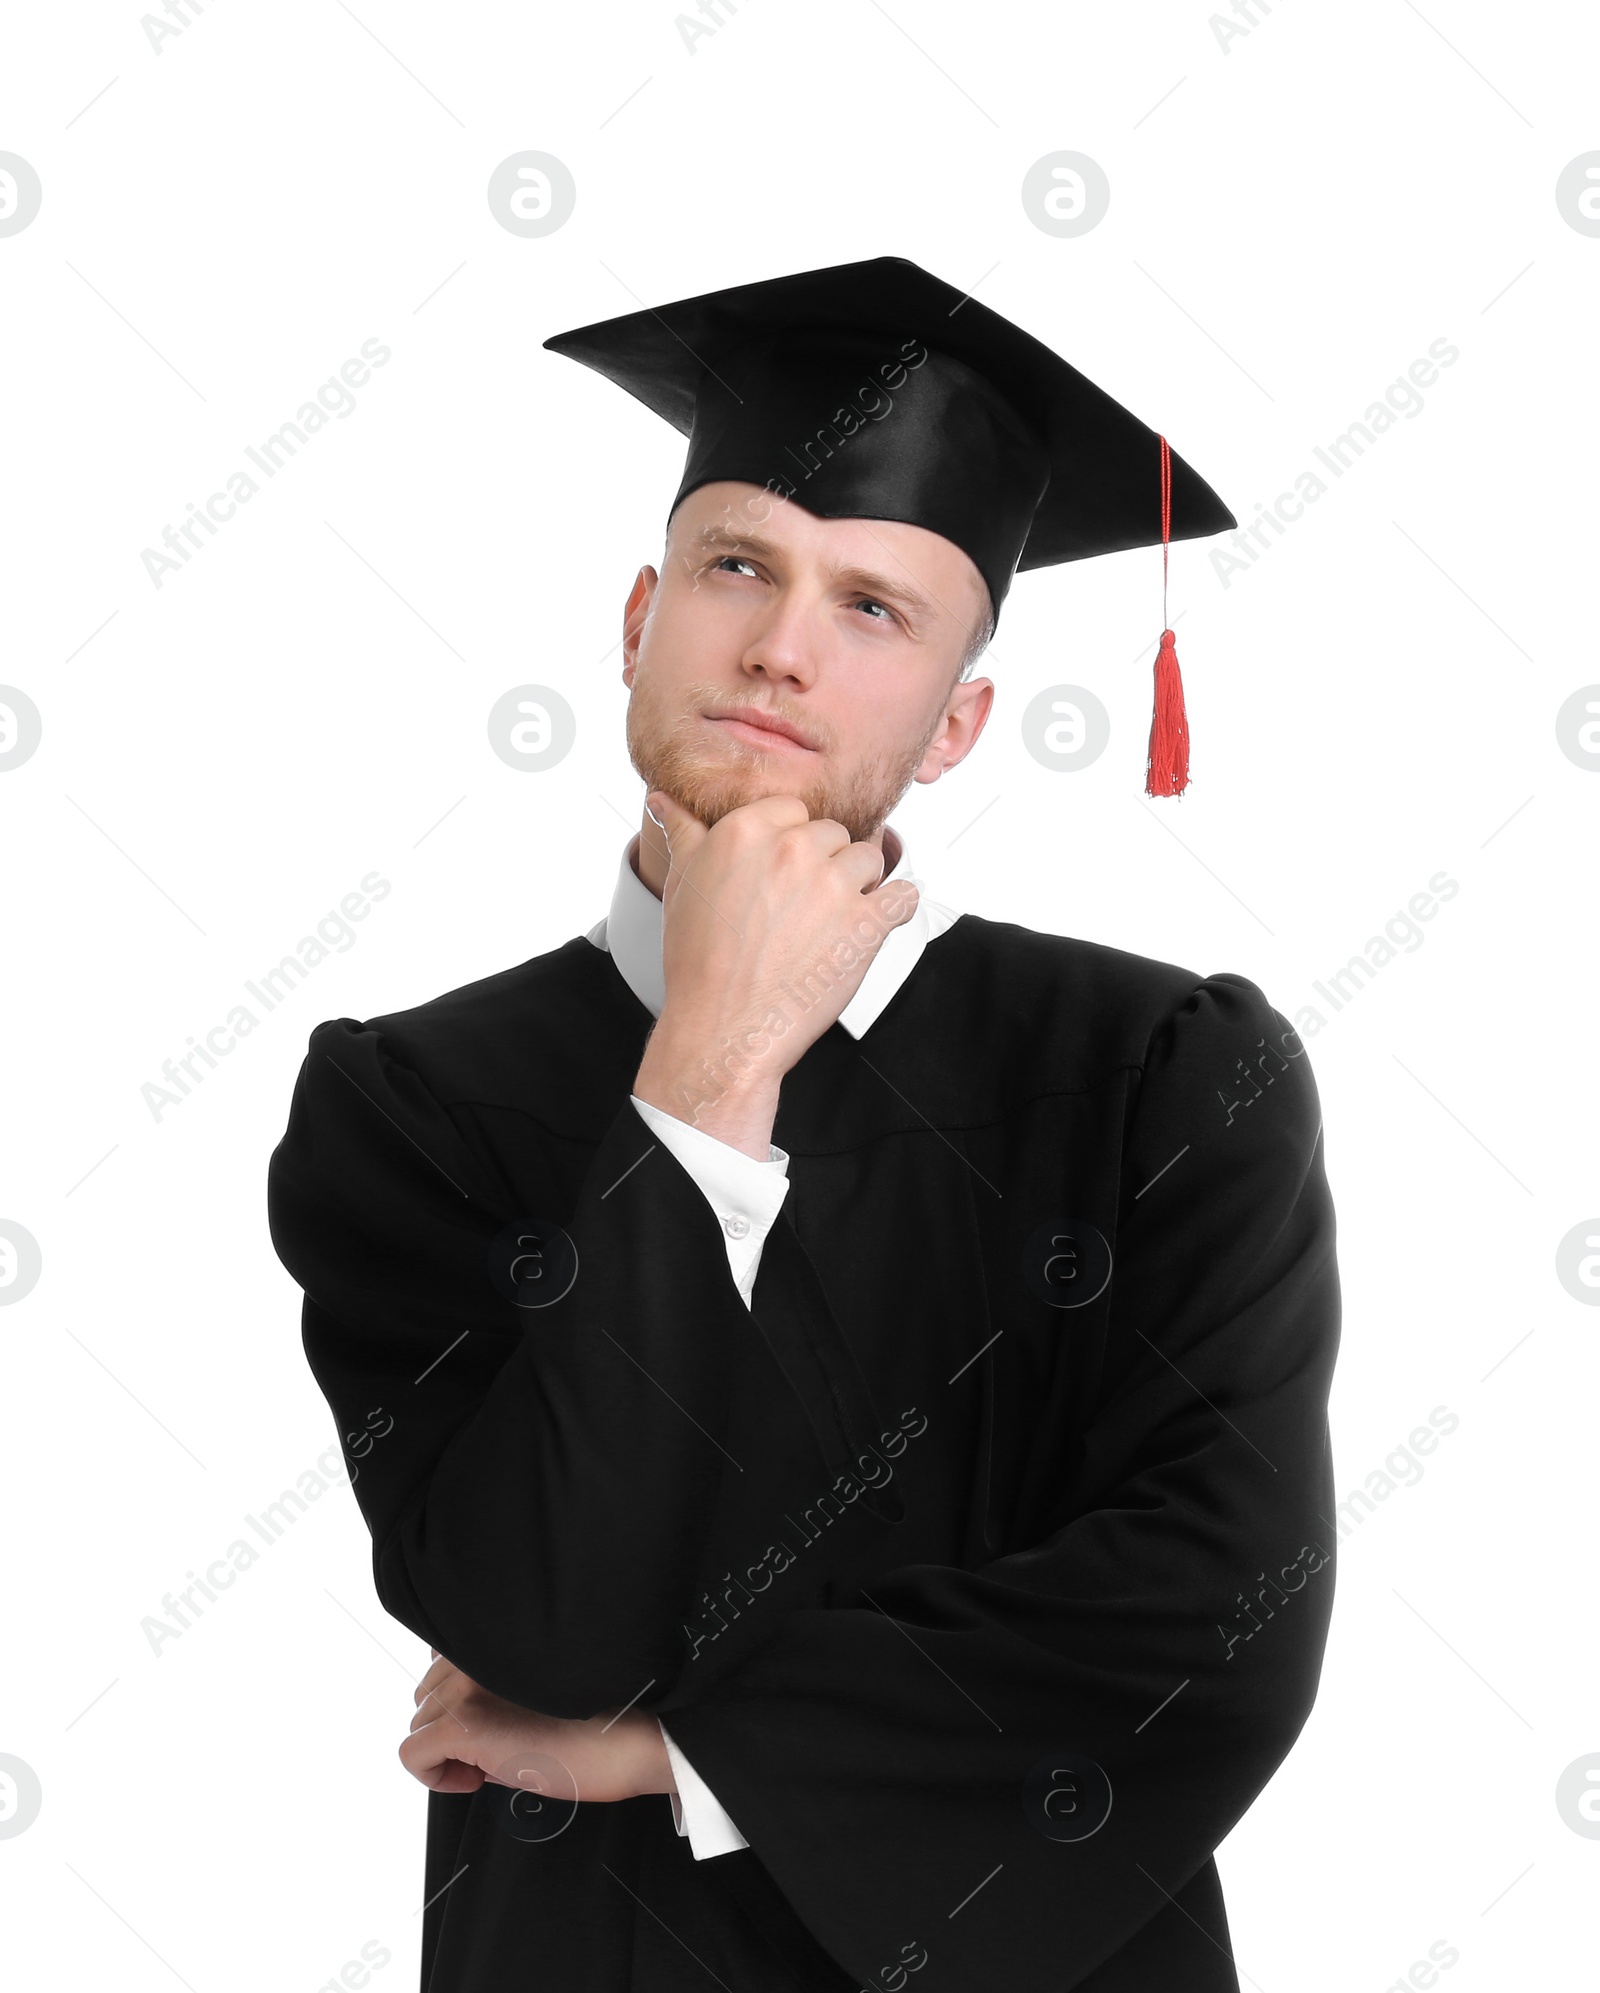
{"x":858,"y":1371}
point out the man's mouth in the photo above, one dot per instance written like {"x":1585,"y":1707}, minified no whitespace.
{"x":763,"y":729}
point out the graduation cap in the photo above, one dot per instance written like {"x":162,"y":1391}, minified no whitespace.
{"x":874,"y":390}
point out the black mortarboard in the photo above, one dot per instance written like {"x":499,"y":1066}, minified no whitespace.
{"x":875,"y":390}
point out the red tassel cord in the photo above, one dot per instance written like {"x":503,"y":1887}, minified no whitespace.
{"x":1167,"y":768}
{"x":1168,"y":773}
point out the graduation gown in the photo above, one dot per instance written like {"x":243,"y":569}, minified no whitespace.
{"x":981,"y":1567}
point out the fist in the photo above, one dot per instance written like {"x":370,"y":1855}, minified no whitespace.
{"x":770,"y":921}
{"x":462,"y":1737}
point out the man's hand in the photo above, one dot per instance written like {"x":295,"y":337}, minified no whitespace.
{"x":463,"y":1737}
{"x":770,"y":920}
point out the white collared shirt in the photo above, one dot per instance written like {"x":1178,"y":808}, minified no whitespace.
{"x":745,"y":1193}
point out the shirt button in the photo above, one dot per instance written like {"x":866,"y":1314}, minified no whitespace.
{"x":736,"y":1225}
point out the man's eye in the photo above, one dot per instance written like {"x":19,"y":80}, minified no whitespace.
{"x":735,"y":560}
{"x":871,"y":602}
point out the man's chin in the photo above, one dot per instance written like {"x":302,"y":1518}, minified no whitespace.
{"x":711,"y":792}
{"x":711,"y":795}
{"x":714,"y":801}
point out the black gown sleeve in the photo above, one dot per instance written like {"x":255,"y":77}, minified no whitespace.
{"x":541,"y":1484}
{"x":917,"y":1769}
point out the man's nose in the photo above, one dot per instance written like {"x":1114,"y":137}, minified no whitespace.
{"x":787,"y":646}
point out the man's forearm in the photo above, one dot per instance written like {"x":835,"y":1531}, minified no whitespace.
{"x":719,"y":1088}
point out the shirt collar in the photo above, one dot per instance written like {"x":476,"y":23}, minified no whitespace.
{"x":631,"y":931}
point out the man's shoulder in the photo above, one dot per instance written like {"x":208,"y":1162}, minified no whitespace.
{"x":1031,"y":956}
{"x":490,"y":996}
{"x":1034,"y":987}
{"x":480,"y":1039}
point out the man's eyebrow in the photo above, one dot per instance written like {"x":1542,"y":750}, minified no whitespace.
{"x":869,"y":581}
{"x":743,"y":543}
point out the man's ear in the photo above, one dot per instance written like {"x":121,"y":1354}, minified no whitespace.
{"x":635,"y":614}
{"x":966,"y":715}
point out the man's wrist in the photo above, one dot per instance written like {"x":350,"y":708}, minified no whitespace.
{"x":655,"y":1766}
{"x":726,"y":1088}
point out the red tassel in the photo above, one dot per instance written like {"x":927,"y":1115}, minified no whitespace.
{"x":1168,"y":773}
{"x":1167,"y":770}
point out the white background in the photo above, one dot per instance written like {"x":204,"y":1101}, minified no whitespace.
{"x":1293,"y":220}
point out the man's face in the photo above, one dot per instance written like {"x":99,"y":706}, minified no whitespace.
{"x":850,"y":630}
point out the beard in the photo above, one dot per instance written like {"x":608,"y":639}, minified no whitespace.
{"x":670,"y":751}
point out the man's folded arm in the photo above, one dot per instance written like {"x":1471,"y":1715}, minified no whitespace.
{"x":540,"y":1483}
{"x":1018,"y":1766}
